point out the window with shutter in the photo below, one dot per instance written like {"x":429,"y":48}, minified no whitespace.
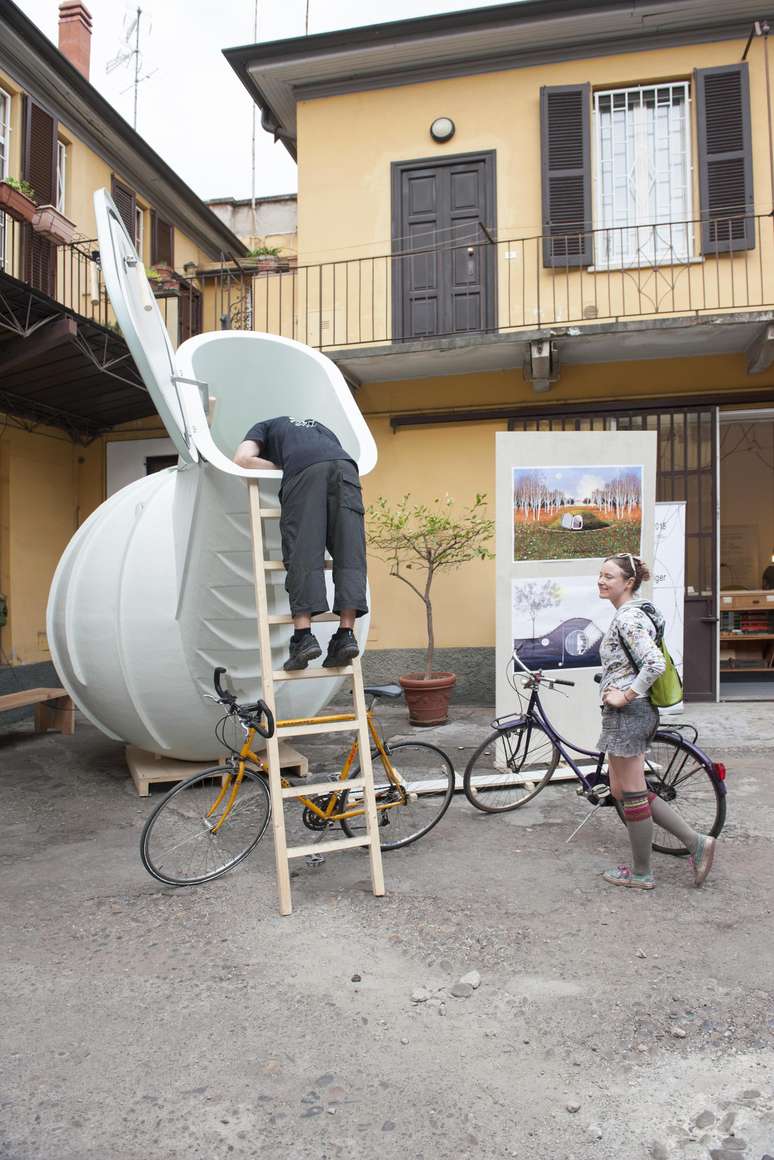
{"x":162,"y":242}
{"x":39,"y":167}
{"x":566,"y":173}
{"x":124,"y":199}
{"x":725,"y":159}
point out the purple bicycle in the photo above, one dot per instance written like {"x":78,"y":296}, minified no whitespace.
{"x":520,"y":757}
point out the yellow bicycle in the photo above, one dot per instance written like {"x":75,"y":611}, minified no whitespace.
{"x":209,"y":823}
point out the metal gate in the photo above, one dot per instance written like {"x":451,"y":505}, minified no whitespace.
{"x":686,"y":470}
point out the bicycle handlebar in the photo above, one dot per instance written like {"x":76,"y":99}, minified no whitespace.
{"x":252,"y":713}
{"x":538,"y":676}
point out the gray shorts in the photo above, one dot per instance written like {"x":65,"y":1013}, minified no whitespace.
{"x":322,"y":507}
{"x":627,"y":732}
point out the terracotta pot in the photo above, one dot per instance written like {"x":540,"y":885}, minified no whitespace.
{"x":53,"y":225}
{"x":16,"y":204}
{"x":428,"y":701}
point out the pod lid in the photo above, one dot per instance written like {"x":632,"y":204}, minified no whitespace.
{"x":140,"y":320}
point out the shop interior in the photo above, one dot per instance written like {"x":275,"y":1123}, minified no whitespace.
{"x":747,"y":555}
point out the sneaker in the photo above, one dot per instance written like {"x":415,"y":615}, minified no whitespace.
{"x":702,"y":859}
{"x":302,"y":652}
{"x":341,"y":649}
{"x":625,"y":876}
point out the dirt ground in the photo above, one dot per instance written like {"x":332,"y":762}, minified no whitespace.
{"x":147,"y":1023}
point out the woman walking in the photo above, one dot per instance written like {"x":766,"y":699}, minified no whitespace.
{"x":631,"y":662}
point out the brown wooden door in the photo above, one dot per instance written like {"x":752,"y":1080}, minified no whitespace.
{"x":443,"y":223}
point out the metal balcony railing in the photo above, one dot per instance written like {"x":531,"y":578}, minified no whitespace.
{"x":71,"y":276}
{"x":642,"y":272}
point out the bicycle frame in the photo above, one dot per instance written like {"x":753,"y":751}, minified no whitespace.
{"x":536,"y":713}
{"x":327,"y":814}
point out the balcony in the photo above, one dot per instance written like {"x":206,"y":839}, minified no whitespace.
{"x":63,"y":357}
{"x":645,"y":291}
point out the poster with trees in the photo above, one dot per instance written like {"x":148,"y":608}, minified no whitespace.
{"x":576,"y":513}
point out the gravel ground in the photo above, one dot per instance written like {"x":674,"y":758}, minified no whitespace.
{"x":146,"y":1023}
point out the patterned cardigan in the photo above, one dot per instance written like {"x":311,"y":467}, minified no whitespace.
{"x":637,"y":629}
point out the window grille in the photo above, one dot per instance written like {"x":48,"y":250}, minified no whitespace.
{"x":5,"y":145}
{"x":61,"y":175}
{"x":644,"y":202}
{"x":139,"y":231}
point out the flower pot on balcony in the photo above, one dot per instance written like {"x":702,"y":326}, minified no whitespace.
{"x":428,"y":700}
{"x":16,"y":204}
{"x":166,"y":279}
{"x":53,"y":225}
{"x":267,"y":265}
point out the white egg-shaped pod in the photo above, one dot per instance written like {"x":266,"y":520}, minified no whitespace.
{"x":152,"y":594}
{"x":156,"y":589}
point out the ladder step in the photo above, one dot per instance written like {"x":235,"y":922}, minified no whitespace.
{"x":278,"y":565}
{"x":322,"y":787}
{"x":324,"y":847}
{"x":286,"y":618}
{"x":270,"y":513}
{"x":312,"y":730}
{"x":312,"y":674}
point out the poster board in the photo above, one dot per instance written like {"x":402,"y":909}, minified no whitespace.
{"x":669,"y":578}
{"x":565,"y":501}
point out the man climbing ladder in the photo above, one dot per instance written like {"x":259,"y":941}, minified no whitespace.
{"x":322,"y":507}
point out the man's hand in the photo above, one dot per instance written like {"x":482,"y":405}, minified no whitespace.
{"x":248,"y":454}
{"x":615,"y":699}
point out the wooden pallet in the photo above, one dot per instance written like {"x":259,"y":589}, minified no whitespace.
{"x":148,"y":769}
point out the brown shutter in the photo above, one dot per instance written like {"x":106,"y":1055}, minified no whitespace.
{"x":39,"y":169}
{"x":126,"y":201}
{"x":725,"y":159}
{"x":162,"y":242}
{"x":565,"y":132}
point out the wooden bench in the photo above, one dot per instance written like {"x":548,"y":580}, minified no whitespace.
{"x":54,"y":709}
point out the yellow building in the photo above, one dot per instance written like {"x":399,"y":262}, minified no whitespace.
{"x":539,"y":216}
{"x":75,"y":419}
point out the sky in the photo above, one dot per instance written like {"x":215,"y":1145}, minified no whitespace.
{"x":192,"y":109}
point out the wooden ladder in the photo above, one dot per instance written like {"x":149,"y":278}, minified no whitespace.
{"x":307,"y":727}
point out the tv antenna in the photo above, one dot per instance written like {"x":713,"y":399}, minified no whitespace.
{"x":129,"y":50}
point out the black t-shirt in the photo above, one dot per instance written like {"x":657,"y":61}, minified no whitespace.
{"x":294,"y":444}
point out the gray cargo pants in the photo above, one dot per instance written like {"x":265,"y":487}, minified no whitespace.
{"x":322,"y":507}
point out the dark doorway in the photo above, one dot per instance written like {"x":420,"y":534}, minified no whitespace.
{"x":443,"y":231}
{"x":155,"y":463}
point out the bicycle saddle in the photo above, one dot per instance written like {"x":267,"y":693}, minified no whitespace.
{"x":383,"y":690}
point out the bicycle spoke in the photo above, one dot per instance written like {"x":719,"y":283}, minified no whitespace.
{"x":180,"y":842}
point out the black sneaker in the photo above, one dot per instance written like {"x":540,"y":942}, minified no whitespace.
{"x":302,"y":652}
{"x":341,"y":649}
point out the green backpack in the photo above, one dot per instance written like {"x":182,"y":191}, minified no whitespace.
{"x":666,"y":690}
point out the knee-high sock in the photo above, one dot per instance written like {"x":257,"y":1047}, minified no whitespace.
{"x":639,"y":823}
{"x":672,"y":822}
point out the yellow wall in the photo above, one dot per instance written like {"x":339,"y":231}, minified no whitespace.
{"x":38,"y":506}
{"x":362,"y":133}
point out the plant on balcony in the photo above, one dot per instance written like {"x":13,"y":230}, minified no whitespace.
{"x":267,"y":258}
{"x":423,"y":540}
{"x":17,"y":199}
{"x":52,"y":225}
{"x":163,"y":276}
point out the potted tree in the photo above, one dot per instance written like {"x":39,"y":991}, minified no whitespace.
{"x":423,"y":540}
{"x":17,"y":199}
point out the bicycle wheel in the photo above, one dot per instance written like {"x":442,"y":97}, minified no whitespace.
{"x":408,"y":811}
{"x":180,"y":844}
{"x":510,"y":768}
{"x":688,"y":784}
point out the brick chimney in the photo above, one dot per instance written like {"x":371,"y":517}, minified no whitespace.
{"x":75,"y":34}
